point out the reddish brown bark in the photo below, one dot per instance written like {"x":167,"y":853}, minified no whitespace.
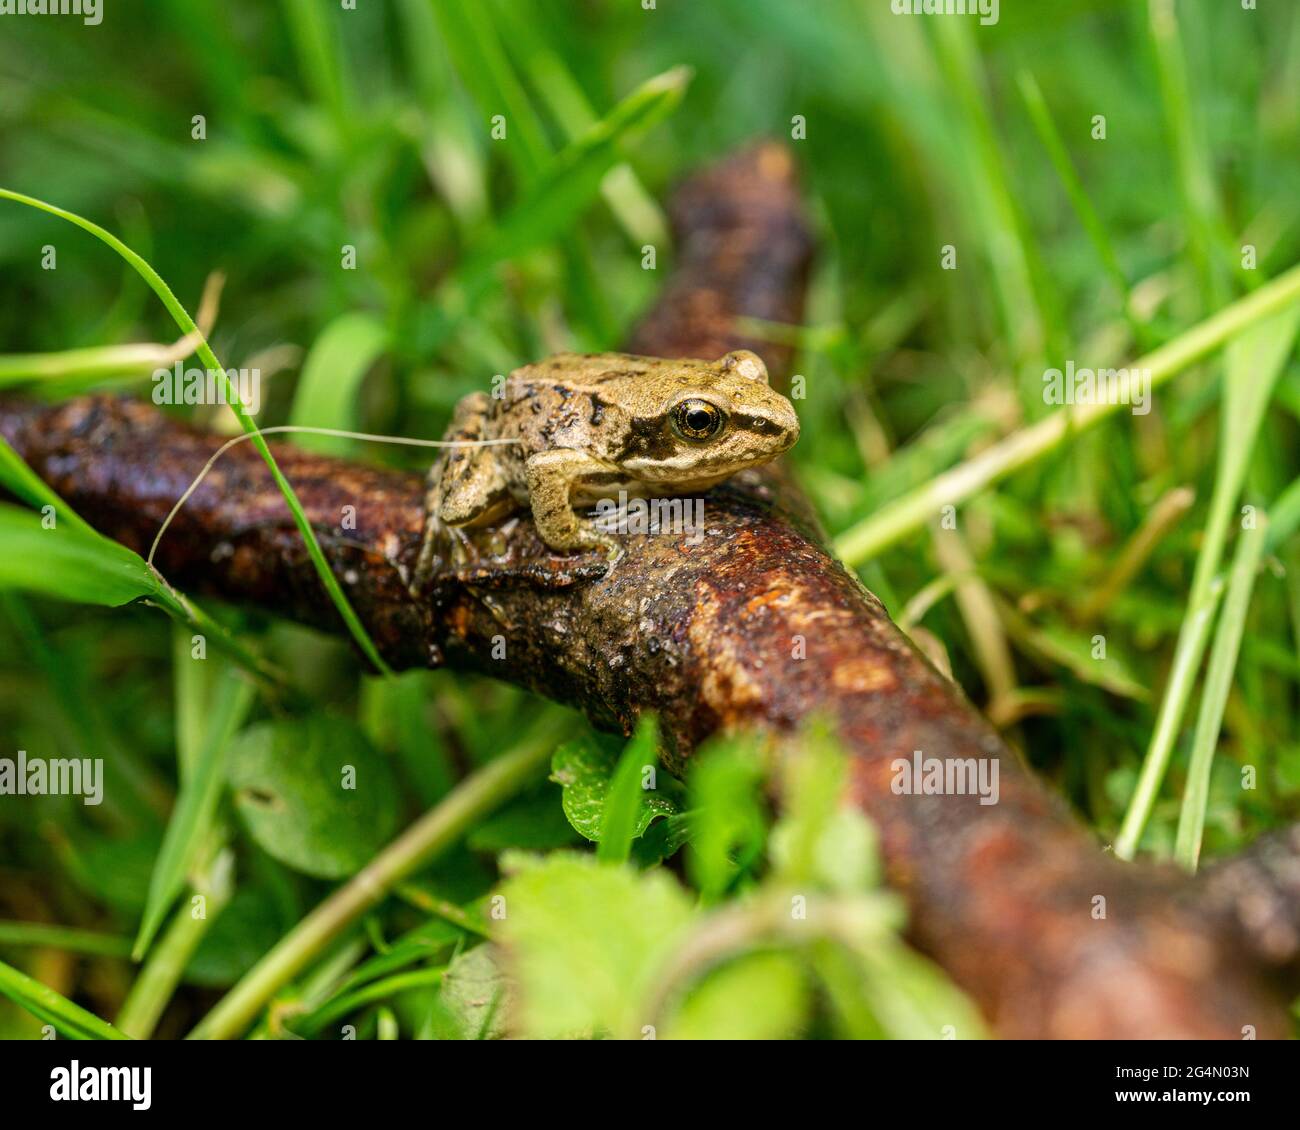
{"x":1003,"y":896}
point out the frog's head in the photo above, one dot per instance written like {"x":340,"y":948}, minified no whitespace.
{"x":717,"y":418}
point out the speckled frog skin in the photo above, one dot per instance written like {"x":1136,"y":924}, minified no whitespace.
{"x":591,"y":425}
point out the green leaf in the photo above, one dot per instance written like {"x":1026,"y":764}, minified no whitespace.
{"x":531,"y":823}
{"x":69,"y":1020}
{"x":584,"y":768}
{"x":191,"y":819}
{"x":586,"y":941}
{"x":763,"y":996}
{"x":328,"y":389}
{"x":288,"y":779}
{"x":248,"y":927}
{"x":477,"y":994}
{"x":115,"y":870}
{"x":21,"y":480}
{"x":912,"y":999}
{"x":67,"y":563}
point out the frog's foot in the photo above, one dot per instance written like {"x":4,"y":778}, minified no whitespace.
{"x":554,"y":571}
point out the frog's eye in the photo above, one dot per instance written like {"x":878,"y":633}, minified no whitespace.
{"x":697,"y":420}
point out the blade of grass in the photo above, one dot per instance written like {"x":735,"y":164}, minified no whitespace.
{"x":1178,"y":692}
{"x":1010,"y":254}
{"x":1214,"y":698}
{"x":904,"y":515}
{"x":64,"y":938}
{"x":319,"y":58}
{"x":68,"y":1019}
{"x":1195,"y":183}
{"x":548,"y":210}
{"x":157,"y":981}
{"x":66,"y":563}
{"x":191,"y":821}
{"x":188,"y":327}
{"x":327,"y":392}
{"x":92,"y":366}
{"x":1254,"y":362}
{"x":623,"y":802}
{"x":632,"y":205}
{"x":128,"y":568}
{"x":1050,"y":136}
{"x":481,"y":63}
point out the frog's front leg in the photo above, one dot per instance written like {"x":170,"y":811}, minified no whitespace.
{"x":551,"y":477}
{"x":465,"y":486}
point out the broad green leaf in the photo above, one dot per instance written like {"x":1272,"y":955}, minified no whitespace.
{"x":586,"y":942}
{"x":535,"y":822}
{"x":762,"y":996}
{"x":584,"y":768}
{"x":913,"y":999}
{"x":289,"y":781}
{"x":248,"y":927}
{"x":328,"y":389}
{"x":70,"y":1020}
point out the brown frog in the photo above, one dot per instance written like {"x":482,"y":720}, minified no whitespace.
{"x":589,"y":426}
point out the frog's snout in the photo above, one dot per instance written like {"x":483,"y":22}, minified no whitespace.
{"x":791,"y":423}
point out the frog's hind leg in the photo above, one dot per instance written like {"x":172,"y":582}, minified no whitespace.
{"x":466,"y":486}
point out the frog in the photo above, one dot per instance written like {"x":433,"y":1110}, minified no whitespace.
{"x":575,"y":428}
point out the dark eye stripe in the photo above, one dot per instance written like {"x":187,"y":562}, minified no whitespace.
{"x":759,"y":425}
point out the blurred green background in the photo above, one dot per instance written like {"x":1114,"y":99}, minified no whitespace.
{"x":325,"y":128}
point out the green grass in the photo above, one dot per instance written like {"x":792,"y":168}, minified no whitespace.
{"x":329,"y":130}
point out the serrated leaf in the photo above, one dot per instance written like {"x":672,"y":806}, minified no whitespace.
{"x":288,"y":783}
{"x":585,"y":942}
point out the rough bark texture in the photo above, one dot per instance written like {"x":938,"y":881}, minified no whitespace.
{"x":1004,"y":897}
